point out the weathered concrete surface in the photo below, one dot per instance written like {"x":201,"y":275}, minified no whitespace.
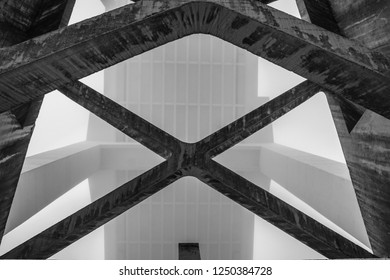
{"x":84,"y":221}
{"x":109,"y":4}
{"x":240,"y":129}
{"x":119,"y":117}
{"x":351,"y":113}
{"x":280,"y":214}
{"x":37,"y":187}
{"x":19,"y":21}
{"x":323,"y":184}
{"x":14,"y":140}
{"x":16,"y":18}
{"x":367,"y":152}
{"x":364,"y":21}
{"x":331,"y":61}
{"x":364,"y":135}
{"x":189,"y":251}
{"x":194,"y":160}
{"x":318,"y":12}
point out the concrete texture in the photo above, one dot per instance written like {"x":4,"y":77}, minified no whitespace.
{"x":57,"y":59}
{"x":363,"y":134}
{"x":20,"y":21}
{"x":189,"y":251}
{"x":364,"y":21}
{"x":367,"y":150}
{"x":334,"y":62}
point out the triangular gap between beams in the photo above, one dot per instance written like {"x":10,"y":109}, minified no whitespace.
{"x":190,"y":87}
{"x":302,"y":160}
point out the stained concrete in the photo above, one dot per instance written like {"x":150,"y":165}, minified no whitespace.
{"x":193,"y":159}
{"x":334,"y":62}
{"x":189,"y":251}
{"x":364,"y":135}
{"x":58,"y":59}
{"x":19,"y":21}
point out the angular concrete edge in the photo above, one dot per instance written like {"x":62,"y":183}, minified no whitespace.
{"x":252,"y":122}
{"x":96,"y":214}
{"x":279,"y":213}
{"x":268,"y":27}
{"x":367,"y":152}
{"x":327,"y":59}
{"x":122,"y":119}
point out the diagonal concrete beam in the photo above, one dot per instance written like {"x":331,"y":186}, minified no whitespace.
{"x":191,"y":159}
{"x":84,"y":221}
{"x":110,"y":3}
{"x":329,"y":60}
{"x":318,"y":12}
{"x":70,"y":166}
{"x":122,"y":119}
{"x":22,"y":20}
{"x":252,"y":122}
{"x":366,"y":148}
{"x":280,"y":214}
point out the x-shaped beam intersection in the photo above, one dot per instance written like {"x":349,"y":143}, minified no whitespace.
{"x":188,"y":159}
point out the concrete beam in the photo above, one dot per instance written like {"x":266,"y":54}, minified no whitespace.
{"x":194,"y":160}
{"x":84,"y":221}
{"x":364,"y":21}
{"x":363,"y":134}
{"x":366,"y":148}
{"x":323,"y":184}
{"x":331,"y":61}
{"x":351,"y":112}
{"x":22,"y":20}
{"x":228,"y":136}
{"x":37,"y":186}
{"x":318,"y":12}
{"x":188,"y":160}
{"x":112,"y":4}
{"x":14,"y":140}
{"x":280,"y":214}
{"x":127,"y":156}
{"x":189,"y":251}
{"x":122,"y":119}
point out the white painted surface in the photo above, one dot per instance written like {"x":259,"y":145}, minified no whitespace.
{"x":190,"y":110}
{"x":62,"y":122}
